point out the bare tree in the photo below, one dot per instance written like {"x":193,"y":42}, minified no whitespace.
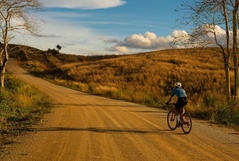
{"x":235,"y":21}
{"x":15,"y":15}
{"x":210,"y":14}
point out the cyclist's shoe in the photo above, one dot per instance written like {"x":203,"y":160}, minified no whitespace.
{"x":171,"y":119}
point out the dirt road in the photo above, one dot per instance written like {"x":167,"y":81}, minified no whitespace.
{"x":89,"y":128}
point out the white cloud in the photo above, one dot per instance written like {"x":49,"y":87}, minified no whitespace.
{"x":138,"y":40}
{"x":83,"y":4}
{"x":205,"y":35}
{"x":74,"y":39}
{"x":147,"y":41}
{"x":180,"y":33}
{"x":119,"y":50}
{"x":200,"y":36}
{"x":181,"y":38}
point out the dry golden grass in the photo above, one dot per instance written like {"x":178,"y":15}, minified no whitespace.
{"x":155,"y":73}
{"x":145,"y":78}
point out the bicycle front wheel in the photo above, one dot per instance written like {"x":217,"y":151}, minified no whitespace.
{"x":171,"y":120}
{"x":187,"y":123}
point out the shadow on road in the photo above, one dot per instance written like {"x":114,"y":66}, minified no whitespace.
{"x":95,"y":105}
{"x":106,"y":130}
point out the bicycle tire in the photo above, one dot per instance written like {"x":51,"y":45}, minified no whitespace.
{"x":172,"y":124}
{"x":187,"y":127}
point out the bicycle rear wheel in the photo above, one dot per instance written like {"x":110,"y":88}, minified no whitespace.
{"x":171,"y":120}
{"x":187,"y":123}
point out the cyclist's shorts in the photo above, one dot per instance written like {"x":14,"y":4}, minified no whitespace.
{"x":181,"y":103}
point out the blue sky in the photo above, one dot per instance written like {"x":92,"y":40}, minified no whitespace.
{"x":95,"y":27}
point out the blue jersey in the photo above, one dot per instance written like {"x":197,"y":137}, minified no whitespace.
{"x":179,"y":92}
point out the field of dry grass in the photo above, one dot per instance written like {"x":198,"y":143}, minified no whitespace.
{"x":145,"y":78}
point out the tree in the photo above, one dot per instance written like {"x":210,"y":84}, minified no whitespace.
{"x":58,"y":48}
{"x":14,"y":16}
{"x":235,"y":45}
{"x":210,"y":14}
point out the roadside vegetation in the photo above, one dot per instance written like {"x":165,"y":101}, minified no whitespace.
{"x":145,"y":78}
{"x":21,"y":106}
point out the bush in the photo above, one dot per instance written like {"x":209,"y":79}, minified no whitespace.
{"x":21,"y":105}
{"x":226,"y":115}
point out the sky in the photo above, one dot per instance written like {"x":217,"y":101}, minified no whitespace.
{"x":103,"y":27}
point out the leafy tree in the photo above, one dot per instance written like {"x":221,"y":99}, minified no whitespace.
{"x":58,"y":48}
{"x":14,"y":16}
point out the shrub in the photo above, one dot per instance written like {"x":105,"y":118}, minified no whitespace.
{"x":21,"y":104}
{"x":226,"y":115}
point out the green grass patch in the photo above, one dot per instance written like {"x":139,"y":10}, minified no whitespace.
{"x":21,"y":106}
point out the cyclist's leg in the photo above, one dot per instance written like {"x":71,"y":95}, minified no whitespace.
{"x":181,"y":114}
{"x":178,"y":112}
{"x":181,"y":103}
{"x":179,"y":106}
{"x":181,"y":110}
{"x":173,"y":114}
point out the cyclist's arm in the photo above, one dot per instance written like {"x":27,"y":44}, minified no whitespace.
{"x":170,"y":99}
{"x":173,"y":93}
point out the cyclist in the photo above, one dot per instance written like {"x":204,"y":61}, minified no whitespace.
{"x":182,"y":98}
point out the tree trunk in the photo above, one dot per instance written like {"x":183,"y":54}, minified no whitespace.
{"x":226,"y":60}
{"x":235,"y":48}
{"x":4,"y":60}
{"x":2,"y":78}
{"x":228,"y":85}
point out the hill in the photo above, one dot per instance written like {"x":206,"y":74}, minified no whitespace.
{"x":87,"y":127}
{"x":145,"y":78}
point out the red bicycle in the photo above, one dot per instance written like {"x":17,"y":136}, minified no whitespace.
{"x":174,"y":121}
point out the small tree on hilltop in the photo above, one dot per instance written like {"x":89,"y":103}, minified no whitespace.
{"x":58,"y":48}
{"x":14,"y":16}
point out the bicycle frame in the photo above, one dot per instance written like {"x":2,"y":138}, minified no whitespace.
{"x":184,"y":120}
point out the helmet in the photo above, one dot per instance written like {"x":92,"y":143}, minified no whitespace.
{"x":178,"y":84}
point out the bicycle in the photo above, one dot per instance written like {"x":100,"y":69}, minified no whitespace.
{"x":174,"y":121}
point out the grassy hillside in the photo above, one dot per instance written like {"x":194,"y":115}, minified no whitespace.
{"x":145,"y":78}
